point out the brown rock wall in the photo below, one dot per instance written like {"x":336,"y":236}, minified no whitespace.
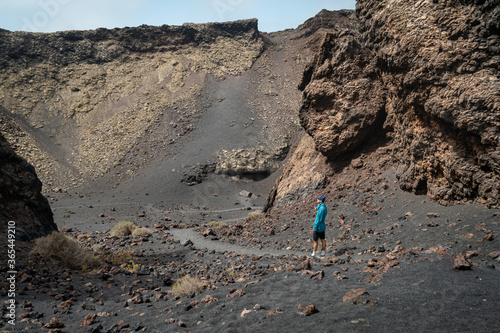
{"x":21,"y":200}
{"x":306,"y":172}
{"x":430,"y":71}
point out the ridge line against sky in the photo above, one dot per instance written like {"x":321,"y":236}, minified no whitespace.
{"x":59,"y":15}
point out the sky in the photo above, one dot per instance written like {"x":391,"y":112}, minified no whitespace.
{"x":58,"y":15}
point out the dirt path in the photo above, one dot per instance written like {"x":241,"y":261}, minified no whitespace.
{"x":201,"y":242}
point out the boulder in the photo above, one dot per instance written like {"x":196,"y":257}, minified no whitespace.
{"x":21,"y":200}
{"x":258,"y":162}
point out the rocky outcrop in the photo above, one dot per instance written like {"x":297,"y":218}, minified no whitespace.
{"x":256,"y":163}
{"x":326,"y":20}
{"x":198,"y":174}
{"x":426,"y":73}
{"x":306,"y":172}
{"x":21,"y":200}
{"x":343,"y":98}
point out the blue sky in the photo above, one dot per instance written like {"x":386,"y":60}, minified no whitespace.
{"x":57,"y":15}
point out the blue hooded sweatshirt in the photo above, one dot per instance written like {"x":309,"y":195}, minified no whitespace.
{"x":319,"y":224}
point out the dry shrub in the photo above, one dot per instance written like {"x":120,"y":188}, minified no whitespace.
{"x":255,"y":214}
{"x":142,"y":232}
{"x":116,"y":258}
{"x":215,"y":224}
{"x":187,"y":284}
{"x":122,"y":229}
{"x":64,"y":250}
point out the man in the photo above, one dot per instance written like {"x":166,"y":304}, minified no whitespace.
{"x":319,"y":226}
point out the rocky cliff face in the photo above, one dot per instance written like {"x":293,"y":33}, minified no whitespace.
{"x":77,"y":104}
{"x":104,"y":45}
{"x":426,"y":75}
{"x":21,"y":200}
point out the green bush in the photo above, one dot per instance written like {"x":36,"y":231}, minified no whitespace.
{"x":122,"y":229}
{"x":65,"y":250}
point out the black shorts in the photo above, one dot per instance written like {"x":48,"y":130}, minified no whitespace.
{"x":318,"y":235}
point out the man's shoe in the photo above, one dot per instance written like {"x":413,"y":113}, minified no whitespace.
{"x":313,"y":254}
{"x":323,"y":253}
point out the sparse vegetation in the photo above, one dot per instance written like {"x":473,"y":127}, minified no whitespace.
{"x":65,"y":251}
{"x":122,"y":229}
{"x":255,"y":214}
{"x":117,"y":258}
{"x":141,"y":232}
{"x":230,"y":272}
{"x":216,"y":225}
{"x":186,"y":285}
{"x":131,"y":267}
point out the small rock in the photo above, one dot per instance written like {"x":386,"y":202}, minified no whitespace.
{"x":245,"y":312}
{"x":245,"y":194}
{"x":272,"y":313}
{"x":460,"y":262}
{"x":54,"y":323}
{"x":357,"y":163}
{"x":354,"y":294}
{"x":258,"y":307}
{"x":88,"y":320}
{"x":139,"y":327}
{"x":209,"y":299}
{"x":233,"y":293}
{"x":88,"y":307}
{"x":208,"y":232}
{"x":308,"y":310}
{"x":494,"y":255}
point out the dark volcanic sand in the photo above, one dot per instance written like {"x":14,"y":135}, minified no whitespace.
{"x":399,"y":249}
{"x":395,"y":247}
